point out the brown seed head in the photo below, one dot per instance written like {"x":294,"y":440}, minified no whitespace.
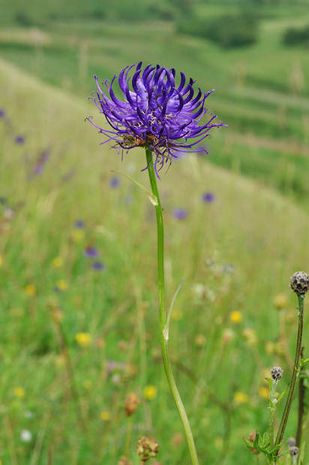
{"x":147,"y":448}
{"x":299,"y":282}
{"x":131,"y":404}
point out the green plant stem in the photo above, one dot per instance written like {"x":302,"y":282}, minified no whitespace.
{"x":301,"y":406}
{"x":289,"y":399}
{"x":162,"y":310}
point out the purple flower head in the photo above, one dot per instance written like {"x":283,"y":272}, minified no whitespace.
{"x":19,"y":140}
{"x":155,"y":111}
{"x":41,"y":162}
{"x":91,"y":252}
{"x":180,"y":213}
{"x":98,"y":266}
{"x":2,"y":113}
{"x":79,"y":224}
{"x":208,"y":197}
{"x":114,"y":182}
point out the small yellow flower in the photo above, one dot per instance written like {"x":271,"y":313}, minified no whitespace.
{"x":250,"y":336}
{"x":150,"y":392}
{"x":236,"y":317}
{"x":105,"y":415}
{"x":57,"y":262}
{"x":30,"y":290}
{"x":240,"y":398}
{"x":264,"y":392}
{"x":1,"y":261}
{"x":280,"y":301}
{"x":19,"y":392}
{"x":77,"y":235}
{"x":83,"y":339}
{"x":62,"y":285}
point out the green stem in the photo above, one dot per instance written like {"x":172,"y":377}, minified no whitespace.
{"x":162,"y":310}
{"x":289,"y":399}
{"x":301,"y":405}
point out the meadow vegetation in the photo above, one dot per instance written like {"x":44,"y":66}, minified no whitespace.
{"x":77,"y":237}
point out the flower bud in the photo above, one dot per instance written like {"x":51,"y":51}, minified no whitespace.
{"x":294,"y":451}
{"x":276,"y":373}
{"x":131,"y":404}
{"x":299,"y":282}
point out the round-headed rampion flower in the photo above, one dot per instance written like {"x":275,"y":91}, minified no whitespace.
{"x":91,"y":252}
{"x":208,"y":197}
{"x":154,"y":111}
{"x":180,"y":213}
{"x":19,"y":140}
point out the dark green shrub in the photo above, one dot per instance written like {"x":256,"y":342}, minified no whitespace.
{"x":227,"y":31}
{"x":23,"y":19}
{"x":297,"y":36}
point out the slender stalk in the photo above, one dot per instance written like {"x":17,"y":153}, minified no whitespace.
{"x":162,"y":311}
{"x":289,"y":399}
{"x":301,"y":406}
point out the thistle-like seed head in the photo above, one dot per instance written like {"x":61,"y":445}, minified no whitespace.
{"x":147,"y":448}
{"x":294,"y":451}
{"x":276,"y":373}
{"x":299,"y":282}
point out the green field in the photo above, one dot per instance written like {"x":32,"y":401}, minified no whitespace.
{"x":76,"y":341}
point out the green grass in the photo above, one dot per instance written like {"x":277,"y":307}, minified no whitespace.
{"x":262,"y":234}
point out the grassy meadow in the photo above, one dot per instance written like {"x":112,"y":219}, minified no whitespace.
{"x":80,"y":332}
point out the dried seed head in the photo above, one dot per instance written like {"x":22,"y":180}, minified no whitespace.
{"x":299,"y":282}
{"x":294,"y":451}
{"x":276,"y":373}
{"x":291,"y":442}
{"x":147,"y":448}
{"x":131,"y":404}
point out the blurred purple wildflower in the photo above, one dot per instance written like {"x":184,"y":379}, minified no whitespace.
{"x":19,"y":140}
{"x":154,"y":111}
{"x":91,"y":252}
{"x":2,"y":113}
{"x":180,"y":213}
{"x":79,"y":224}
{"x":114,"y":182}
{"x":40,"y":163}
{"x":208,"y":197}
{"x":98,"y":266}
